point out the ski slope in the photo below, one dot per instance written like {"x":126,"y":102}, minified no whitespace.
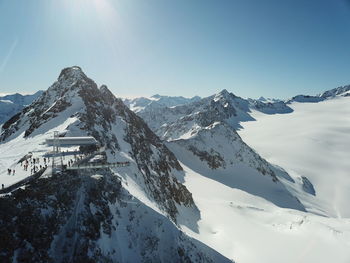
{"x":312,"y":141}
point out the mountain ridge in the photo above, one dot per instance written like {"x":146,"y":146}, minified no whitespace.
{"x":104,"y":215}
{"x":13,"y":103}
{"x":205,"y":132}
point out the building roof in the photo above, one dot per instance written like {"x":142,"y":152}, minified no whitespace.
{"x":73,"y":141}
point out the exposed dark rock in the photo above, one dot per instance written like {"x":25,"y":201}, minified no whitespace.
{"x":213,"y":159}
{"x":307,"y":186}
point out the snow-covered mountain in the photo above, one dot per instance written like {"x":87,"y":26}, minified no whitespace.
{"x":342,"y":91}
{"x":131,"y":214}
{"x":203,"y":136}
{"x":178,"y":121}
{"x":263,"y":99}
{"x":194,"y":190}
{"x":157,"y":101}
{"x":11,"y":104}
{"x":238,"y":192}
{"x":159,"y":110}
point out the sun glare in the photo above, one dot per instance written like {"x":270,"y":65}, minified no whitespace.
{"x":103,"y":9}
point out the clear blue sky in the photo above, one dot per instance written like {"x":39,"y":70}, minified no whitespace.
{"x":274,"y":48}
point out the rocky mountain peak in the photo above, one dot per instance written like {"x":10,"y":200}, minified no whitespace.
{"x":340,"y":91}
{"x":156,"y":96}
{"x":224,"y":94}
{"x":75,"y":106}
{"x":97,"y":112}
{"x":74,"y":72}
{"x":107,"y":95}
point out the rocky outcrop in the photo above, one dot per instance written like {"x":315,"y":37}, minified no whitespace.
{"x":89,"y":218}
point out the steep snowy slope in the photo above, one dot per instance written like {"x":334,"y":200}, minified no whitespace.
{"x":243,"y":212}
{"x":313,"y":141}
{"x":203,"y":136}
{"x":218,"y":153}
{"x":88,"y":216}
{"x":11,"y":104}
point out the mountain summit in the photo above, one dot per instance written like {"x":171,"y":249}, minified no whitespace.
{"x":99,"y":215}
{"x":203,"y":136}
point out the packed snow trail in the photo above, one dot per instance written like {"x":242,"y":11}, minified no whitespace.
{"x":23,"y":182}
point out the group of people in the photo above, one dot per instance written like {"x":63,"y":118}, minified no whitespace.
{"x":29,"y":161}
{"x":9,"y":171}
{"x":37,"y":163}
{"x":34,"y":164}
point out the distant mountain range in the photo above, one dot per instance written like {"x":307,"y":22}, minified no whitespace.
{"x":343,"y":91}
{"x":194,"y":190}
{"x":157,"y":101}
{"x":11,"y":104}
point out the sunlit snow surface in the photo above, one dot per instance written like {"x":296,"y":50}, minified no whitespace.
{"x":313,"y":141}
{"x":250,"y":229}
{"x":12,"y":151}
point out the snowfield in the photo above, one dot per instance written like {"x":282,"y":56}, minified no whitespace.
{"x":250,"y":229}
{"x":313,"y":141}
{"x":246,"y":217}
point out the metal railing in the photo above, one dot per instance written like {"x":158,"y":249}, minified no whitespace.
{"x":97,"y":165}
